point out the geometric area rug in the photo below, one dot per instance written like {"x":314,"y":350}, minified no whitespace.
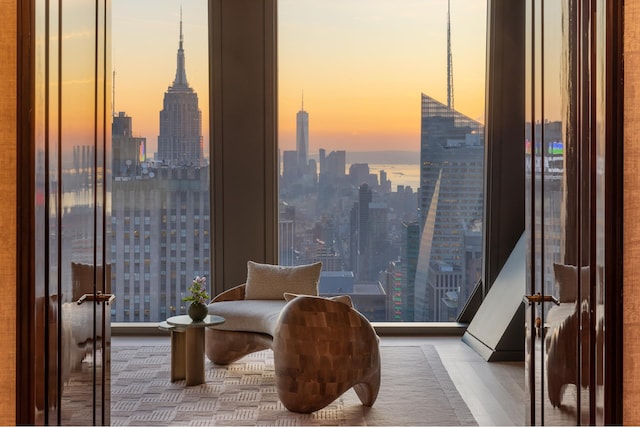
{"x":415,"y":390}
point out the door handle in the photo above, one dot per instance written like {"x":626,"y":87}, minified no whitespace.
{"x":98,"y":297}
{"x":539,"y":298}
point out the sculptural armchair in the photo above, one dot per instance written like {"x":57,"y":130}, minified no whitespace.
{"x":322,"y":348}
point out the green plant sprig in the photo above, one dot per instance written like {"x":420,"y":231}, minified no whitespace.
{"x":198,"y":291}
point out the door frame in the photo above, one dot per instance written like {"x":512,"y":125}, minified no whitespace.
{"x":25,"y":206}
{"x":614,"y":189}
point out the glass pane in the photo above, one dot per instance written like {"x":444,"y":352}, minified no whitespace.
{"x":531,"y":333}
{"x":103,"y":154}
{"x":70,"y":200}
{"x":159,"y":223}
{"x":562,"y":237}
{"x":77,"y":233}
{"x":381,"y":167}
{"x":537,"y":249}
{"x":80,"y":197}
{"x":46,"y":372}
{"x":600,"y":144}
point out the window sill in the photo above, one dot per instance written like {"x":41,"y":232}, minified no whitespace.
{"x":382,"y":329}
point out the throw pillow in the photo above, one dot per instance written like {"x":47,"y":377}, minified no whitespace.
{"x":567,"y":280}
{"x":344,"y":299}
{"x":266,"y":281}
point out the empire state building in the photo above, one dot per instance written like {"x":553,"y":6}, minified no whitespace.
{"x":180,"y":139}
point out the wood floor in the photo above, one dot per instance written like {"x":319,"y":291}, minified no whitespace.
{"x":494,"y":392}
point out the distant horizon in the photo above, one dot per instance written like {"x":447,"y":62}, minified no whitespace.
{"x":397,"y":157}
{"x":361,"y":64}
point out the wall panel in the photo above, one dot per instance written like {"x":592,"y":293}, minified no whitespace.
{"x":8,"y":189}
{"x":631,"y":273}
{"x":243,"y":144}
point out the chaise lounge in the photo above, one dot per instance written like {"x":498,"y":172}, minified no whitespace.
{"x":322,"y":347}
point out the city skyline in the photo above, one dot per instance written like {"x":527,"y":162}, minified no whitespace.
{"x":374,"y":89}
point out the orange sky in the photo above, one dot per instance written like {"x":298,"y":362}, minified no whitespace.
{"x":362,"y":65}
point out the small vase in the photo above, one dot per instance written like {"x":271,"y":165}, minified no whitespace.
{"x":197,"y":311}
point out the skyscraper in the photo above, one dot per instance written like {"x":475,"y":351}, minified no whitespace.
{"x":409,"y":252}
{"x":287,"y":234}
{"x":160,"y":215}
{"x":161,"y":224}
{"x":289,"y":168}
{"x":369,"y":245}
{"x":451,"y":204}
{"x":335,"y":165}
{"x":364,"y":236}
{"x":180,"y":139}
{"x":302,"y":139}
{"x":128,"y":151}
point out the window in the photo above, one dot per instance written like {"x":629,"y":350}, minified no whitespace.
{"x":381,"y":167}
{"x":160,"y":167}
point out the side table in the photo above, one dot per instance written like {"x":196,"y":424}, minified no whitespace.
{"x":187,"y":347}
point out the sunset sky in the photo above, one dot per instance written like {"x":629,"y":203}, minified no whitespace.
{"x":361,"y":64}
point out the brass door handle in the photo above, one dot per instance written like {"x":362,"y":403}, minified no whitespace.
{"x":98,"y":297}
{"x":539,"y":298}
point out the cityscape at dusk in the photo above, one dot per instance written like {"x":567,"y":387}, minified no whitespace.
{"x":399,"y":232}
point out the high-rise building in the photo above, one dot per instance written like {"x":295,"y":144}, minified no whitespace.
{"x":289,"y":167}
{"x":180,"y":139}
{"x":409,"y":250}
{"x":360,"y":253}
{"x":160,"y":220}
{"x":391,"y":281}
{"x":385,"y":184}
{"x":322,"y":155}
{"x":302,"y":139}
{"x":286,"y":234}
{"x":359,"y":174}
{"x":160,"y":241}
{"x":379,"y":242}
{"x":370,"y":250}
{"x":335,"y":164}
{"x":128,"y":151}
{"x":451,"y":204}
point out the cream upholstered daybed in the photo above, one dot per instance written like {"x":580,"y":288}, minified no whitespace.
{"x":322,"y":347}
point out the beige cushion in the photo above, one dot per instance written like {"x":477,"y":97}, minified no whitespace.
{"x":567,"y":280}
{"x":565,"y":276}
{"x":344,"y":299}
{"x":265,"y":281}
{"x":248,"y":315}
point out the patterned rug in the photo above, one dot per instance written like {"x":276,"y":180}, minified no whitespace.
{"x":415,"y":390}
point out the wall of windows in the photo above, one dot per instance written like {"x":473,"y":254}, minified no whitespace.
{"x":380,"y":159}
